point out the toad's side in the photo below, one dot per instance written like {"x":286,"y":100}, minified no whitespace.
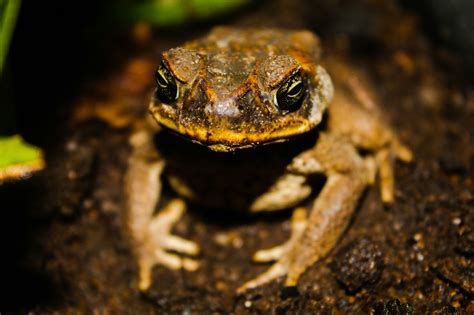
{"x":245,"y":124}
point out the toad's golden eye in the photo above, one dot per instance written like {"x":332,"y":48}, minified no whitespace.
{"x":167,"y":90}
{"x":290,"y":94}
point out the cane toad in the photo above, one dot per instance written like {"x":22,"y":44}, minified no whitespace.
{"x":246,"y":118}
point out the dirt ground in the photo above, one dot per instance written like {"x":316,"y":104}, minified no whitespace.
{"x":63,"y":245}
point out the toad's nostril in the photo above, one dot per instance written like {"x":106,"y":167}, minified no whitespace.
{"x":226,"y":108}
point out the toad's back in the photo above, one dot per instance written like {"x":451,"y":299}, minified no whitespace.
{"x":232,"y":53}
{"x":256,"y":41}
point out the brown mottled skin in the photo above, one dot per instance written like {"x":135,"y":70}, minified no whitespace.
{"x":225,"y":143}
{"x":228,"y":80}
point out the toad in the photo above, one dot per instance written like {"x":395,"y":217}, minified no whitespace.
{"x":246,"y":118}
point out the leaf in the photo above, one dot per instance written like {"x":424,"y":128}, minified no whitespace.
{"x":18,"y":159}
{"x":8,"y":13}
{"x":174,"y":12}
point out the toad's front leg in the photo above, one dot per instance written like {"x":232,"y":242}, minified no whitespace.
{"x":150,"y":234}
{"x":347,"y":176}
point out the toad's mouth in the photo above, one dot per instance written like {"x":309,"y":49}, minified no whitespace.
{"x":229,"y":137}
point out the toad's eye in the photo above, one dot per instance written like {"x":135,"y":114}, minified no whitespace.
{"x":290,"y":94}
{"x":167,"y":89}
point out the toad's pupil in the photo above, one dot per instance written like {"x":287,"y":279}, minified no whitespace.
{"x":167,"y":90}
{"x":295,"y":89}
{"x":289,"y":96}
{"x":161,"y":78}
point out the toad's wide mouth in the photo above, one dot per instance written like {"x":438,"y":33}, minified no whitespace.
{"x":223,"y":136}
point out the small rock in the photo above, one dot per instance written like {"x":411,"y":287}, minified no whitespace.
{"x":392,"y":307}
{"x":456,"y":221}
{"x":358,"y":264}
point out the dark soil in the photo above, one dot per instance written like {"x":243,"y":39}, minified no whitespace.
{"x":63,"y":245}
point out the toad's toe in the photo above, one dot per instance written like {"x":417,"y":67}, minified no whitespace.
{"x":298,"y":224}
{"x":277,"y":270}
{"x":159,"y":240}
{"x":282,"y":254}
{"x":180,"y":245}
{"x":403,"y":152}
{"x":386,"y":173}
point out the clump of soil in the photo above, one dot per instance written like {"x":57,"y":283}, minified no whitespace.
{"x":358,"y":264}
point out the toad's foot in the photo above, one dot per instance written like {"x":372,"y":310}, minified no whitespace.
{"x":159,"y":240}
{"x":281,"y":254}
{"x":385,"y":159}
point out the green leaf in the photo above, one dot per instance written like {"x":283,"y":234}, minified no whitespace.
{"x":18,"y":158}
{"x":174,"y":12}
{"x":8,"y":14}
